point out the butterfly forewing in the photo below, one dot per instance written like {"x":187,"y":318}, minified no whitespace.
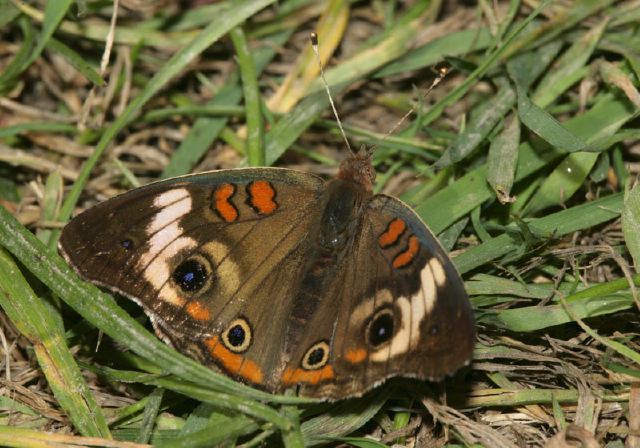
{"x":209,"y":258}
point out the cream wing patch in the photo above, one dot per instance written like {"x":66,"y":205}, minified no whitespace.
{"x":412,"y":310}
{"x":166,"y":241}
{"x":438,"y":271}
{"x":174,"y":205}
{"x":227,"y":270}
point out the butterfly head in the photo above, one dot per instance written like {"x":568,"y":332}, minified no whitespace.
{"x":358,"y":168}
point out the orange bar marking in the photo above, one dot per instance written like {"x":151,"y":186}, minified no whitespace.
{"x":225,"y":209}
{"x":390,"y":236}
{"x":406,"y":257}
{"x":355,"y":356}
{"x":294,"y":376}
{"x":234,"y":363}
{"x":197,"y":310}
{"x":261,"y":194}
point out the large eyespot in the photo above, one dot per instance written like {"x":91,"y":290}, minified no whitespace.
{"x":238,"y":335}
{"x":192,"y":274}
{"x":380,"y":327}
{"x":316,"y":357}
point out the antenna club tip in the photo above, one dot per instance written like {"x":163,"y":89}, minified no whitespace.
{"x":314,"y":39}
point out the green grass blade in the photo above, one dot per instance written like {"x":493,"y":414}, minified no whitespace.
{"x":42,"y":326}
{"x":344,"y":418}
{"x":453,"y":44}
{"x":503,"y":159}
{"x":604,"y":119}
{"x":150,"y":414}
{"x":54,"y":11}
{"x":205,"y":130}
{"x":631,"y":224}
{"x":485,"y":119}
{"x":252,"y":104}
{"x":558,"y":224}
{"x":76,"y":60}
{"x":569,"y":68}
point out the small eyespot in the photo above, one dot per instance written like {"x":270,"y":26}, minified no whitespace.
{"x":434,"y":330}
{"x":191,"y":275}
{"x":316,"y":357}
{"x":238,"y":335}
{"x":380,"y":327}
{"x":127,"y":244}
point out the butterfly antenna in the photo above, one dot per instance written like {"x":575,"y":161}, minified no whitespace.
{"x":314,"y":45}
{"x":442,"y":72}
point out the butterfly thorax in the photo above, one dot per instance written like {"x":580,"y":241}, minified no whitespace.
{"x":343,"y":204}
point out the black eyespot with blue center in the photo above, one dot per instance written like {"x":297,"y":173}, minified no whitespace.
{"x":238,"y":335}
{"x":380,"y":329}
{"x":190,"y":275}
{"x":127,"y":244}
{"x":316,"y":357}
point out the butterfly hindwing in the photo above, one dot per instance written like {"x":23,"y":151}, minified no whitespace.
{"x":396,"y":307}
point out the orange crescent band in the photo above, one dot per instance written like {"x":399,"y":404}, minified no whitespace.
{"x":295,"y":376}
{"x":393,"y":233}
{"x":406,"y":257}
{"x":355,"y":356}
{"x":223,"y":206}
{"x":198,"y":311}
{"x":234,"y":363}
{"x":261,"y":197}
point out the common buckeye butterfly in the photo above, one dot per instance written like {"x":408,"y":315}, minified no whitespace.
{"x":282,"y":279}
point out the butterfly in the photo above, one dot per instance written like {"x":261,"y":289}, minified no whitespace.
{"x":281,"y":279}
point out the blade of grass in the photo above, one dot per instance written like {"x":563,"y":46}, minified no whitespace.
{"x":570,"y":174}
{"x":569,"y":68}
{"x":8,"y":13}
{"x":506,"y":397}
{"x":36,"y":126}
{"x":503,"y":159}
{"x":51,"y":200}
{"x":213,"y":435}
{"x":38,"y":323}
{"x":220,"y":400}
{"x":205,"y":130}
{"x":54,"y":11}
{"x":150,"y":414}
{"x":12,"y":70}
{"x":14,"y":436}
{"x":330,"y":29}
{"x":99,"y":30}
{"x":344,"y":418}
{"x":532,"y":318}
{"x":453,"y":44}
{"x":484,"y":120}
{"x":248,"y":73}
{"x":77,"y":61}
{"x":631,"y":224}
{"x":558,"y":224}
